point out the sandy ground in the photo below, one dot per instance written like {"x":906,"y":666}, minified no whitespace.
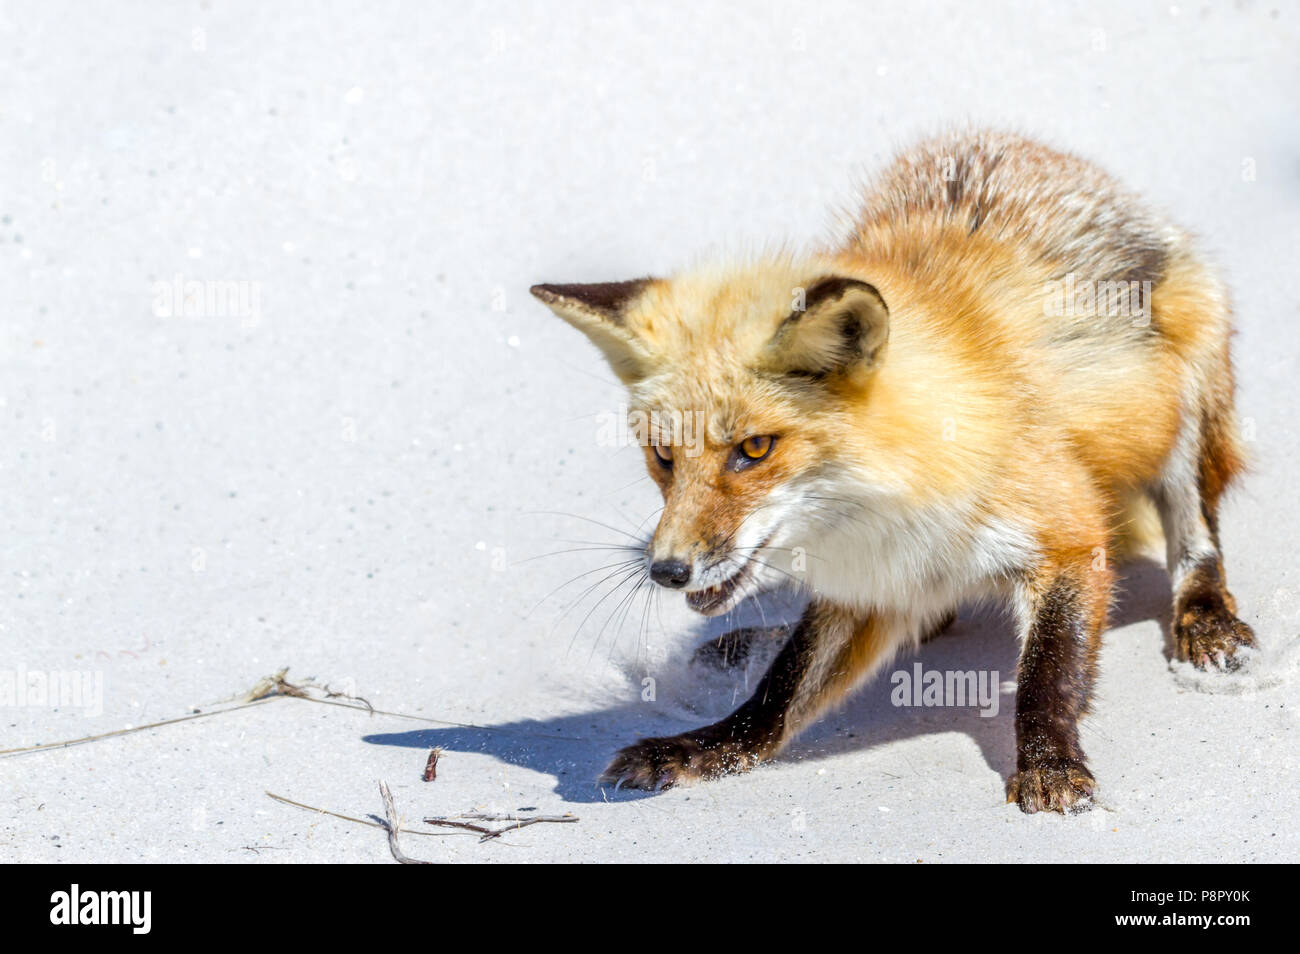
{"x":348,"y":467}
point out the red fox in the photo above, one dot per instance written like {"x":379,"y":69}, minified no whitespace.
{"x":966,"y":399}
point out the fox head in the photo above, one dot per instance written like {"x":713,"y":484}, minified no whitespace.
{"x":749,"y":378}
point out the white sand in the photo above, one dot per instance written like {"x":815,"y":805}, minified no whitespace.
{"x":346,"y":485}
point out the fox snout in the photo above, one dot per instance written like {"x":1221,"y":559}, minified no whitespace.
{"x":713,"y":574}
{"x":686,"y":545}
{"x":671,"y":573}
{"x":674,"y":556}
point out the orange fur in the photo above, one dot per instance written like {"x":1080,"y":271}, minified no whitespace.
{"x":1007,"y":359}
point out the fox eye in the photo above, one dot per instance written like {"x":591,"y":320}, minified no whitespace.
{"x":753,"y":449}
{"x":664,"y":455}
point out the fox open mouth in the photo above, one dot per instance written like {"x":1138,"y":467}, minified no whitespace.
{"x":720,"y":596}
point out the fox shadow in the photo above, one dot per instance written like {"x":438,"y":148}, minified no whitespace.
{"x":574,"y":749}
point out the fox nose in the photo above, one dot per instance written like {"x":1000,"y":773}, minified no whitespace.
{"x":672,"y":573}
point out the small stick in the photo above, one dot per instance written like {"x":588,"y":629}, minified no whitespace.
{"x":489,"y":833}
{"x":511,"y":818}
{"x":450,"y":823}
{"x":390,"y":812}
{"x":523,"y":824}
{"x":431,"y":767}
{"x":358,"y":821}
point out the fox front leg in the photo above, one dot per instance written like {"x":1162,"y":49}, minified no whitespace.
{"x":1058,"y":663}
{"x":831,"y":650}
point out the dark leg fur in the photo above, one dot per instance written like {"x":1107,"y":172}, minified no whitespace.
{"x":1206,"y":629}
{"x":1057,"y":668}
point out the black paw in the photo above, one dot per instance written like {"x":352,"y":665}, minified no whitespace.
{"x":657,"y":764}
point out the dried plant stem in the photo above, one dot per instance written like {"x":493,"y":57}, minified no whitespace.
{"x":267,"y":689}
{"x":354,"y":820}
{"x":394,"y":824}
{"x":135,"y":728}
{"x":516,"y":822}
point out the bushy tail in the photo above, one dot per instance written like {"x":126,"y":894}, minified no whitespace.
{"x":1137,"y":530}
{"x":1223,"y":455}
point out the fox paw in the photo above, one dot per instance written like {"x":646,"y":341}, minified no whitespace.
{"x":1210,"y":638}
{"x":1056,"y":785}
{"x":657,"y":764}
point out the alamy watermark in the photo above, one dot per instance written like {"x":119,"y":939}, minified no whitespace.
{"x":937,"y":688}
{"x":220,"y":298}
{"x":1074,"y":297}
{"x":52,"y":689}
{"x":132,"y":909}
{"x":675,"y":428}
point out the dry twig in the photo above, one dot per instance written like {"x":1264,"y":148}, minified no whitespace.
{"x":350,"y":818}
{"x":390,"y":812}
{"x":517,"y":822}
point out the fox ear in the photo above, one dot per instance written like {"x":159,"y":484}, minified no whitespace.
{"x":837,"y":324}
{"x":598,"y":310}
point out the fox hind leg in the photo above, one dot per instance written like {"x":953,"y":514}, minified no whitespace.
{"x":1205,"y":627}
